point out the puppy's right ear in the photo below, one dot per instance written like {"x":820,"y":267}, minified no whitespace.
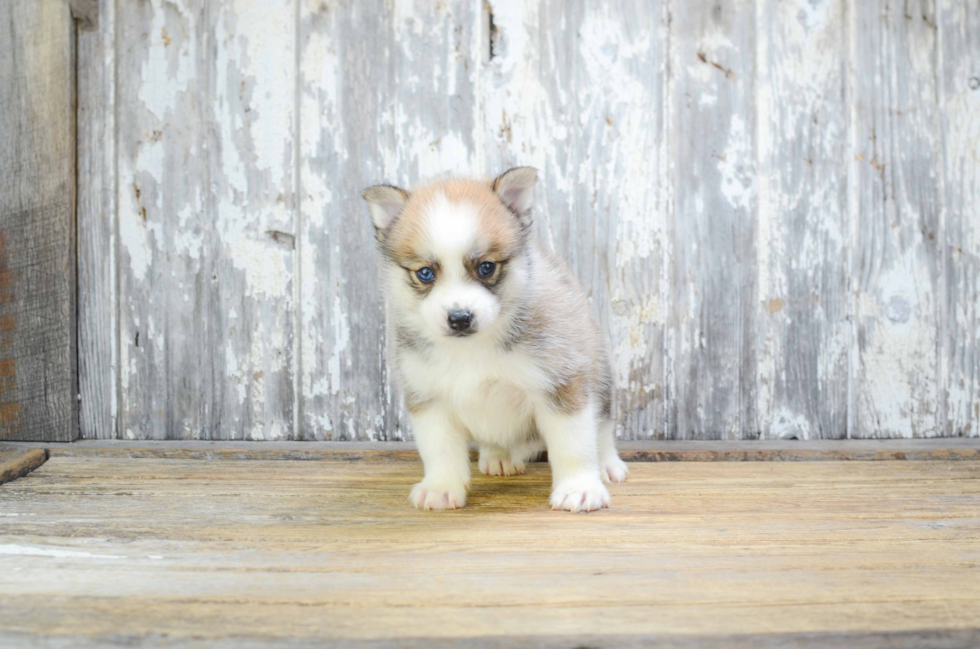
{"x":515,"y":188}
{"x":386,"y":201}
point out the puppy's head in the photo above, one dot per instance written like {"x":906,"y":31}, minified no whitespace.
{"x":455,"y":250}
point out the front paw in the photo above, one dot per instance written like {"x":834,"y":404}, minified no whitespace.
{"x":438,"y":494}
{"x":494,"y":462}
{"x":581,"y":493}
{"x":614,"y":470}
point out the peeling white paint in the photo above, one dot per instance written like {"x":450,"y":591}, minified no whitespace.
{"x":264,"y":266}
{"x":207,"y":214}
{"x":736,"y":166}
{"x":788,"y":425}
{"x":169,"y":68}
{"x":341,"y":339}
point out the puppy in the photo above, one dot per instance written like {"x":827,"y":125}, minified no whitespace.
{"x":493,"y":341}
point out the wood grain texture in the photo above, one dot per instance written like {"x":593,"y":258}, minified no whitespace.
{"x":959,"y":87}
{"x":714,"y":281}
{"x":771,"y":206}
{"x":18,"y":462}
{"x":915,"y":639}
{"x":37,"y":222}
{"x":342,"y":139}
{"x":233,"y":551}
{"x":895,"y":218}
{"x":802,"y":332}
{"x":252,"y":229}
{"x":206,"y":220}
{"x":98,"y":370}
{"x":168,"y":251}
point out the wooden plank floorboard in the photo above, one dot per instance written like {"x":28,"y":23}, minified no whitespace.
{"x":165,"y":552}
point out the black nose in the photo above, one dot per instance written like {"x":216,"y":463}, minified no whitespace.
{"x":460,"y":320}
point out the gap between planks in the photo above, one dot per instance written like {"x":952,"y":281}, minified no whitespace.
{"x":940,"y":449}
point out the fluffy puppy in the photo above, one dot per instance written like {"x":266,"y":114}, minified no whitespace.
{"x":493,"y":341}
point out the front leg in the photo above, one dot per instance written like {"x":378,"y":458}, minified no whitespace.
{"x":574,"y":457}
{"x":442,"y":443}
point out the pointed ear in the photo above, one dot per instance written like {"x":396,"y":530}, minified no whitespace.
{"x":386,"y":201}
{"x":515,"y":188}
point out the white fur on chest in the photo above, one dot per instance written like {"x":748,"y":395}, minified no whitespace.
{"x":491,"y":392}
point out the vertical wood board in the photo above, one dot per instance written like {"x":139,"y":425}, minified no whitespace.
{"x":37,"y":222}
{"x":895,"y":220}
{"x":98,"y":324}
{"x":959,"y":87}
{"x":802,"y":336}
{"x":711,"y":391}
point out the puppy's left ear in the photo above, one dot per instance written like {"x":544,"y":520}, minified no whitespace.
{"x":515,"y":188}
{"x":386,"y":202}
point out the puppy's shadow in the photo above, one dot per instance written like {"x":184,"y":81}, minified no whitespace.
{"x":526,"y":491}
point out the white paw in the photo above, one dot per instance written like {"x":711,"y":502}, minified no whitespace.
{"x":581,"y":493}
{"x":615,"y":470}
{"x":494,"y":462}
{"x":438,"y":494}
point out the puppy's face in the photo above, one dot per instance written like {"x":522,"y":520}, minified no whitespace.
{"x":454,"y":250}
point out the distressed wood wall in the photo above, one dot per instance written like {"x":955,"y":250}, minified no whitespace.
{"x":37,"y":215}
{"x":774,"y":206}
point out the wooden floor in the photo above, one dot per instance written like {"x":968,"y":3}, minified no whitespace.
{"x":97,"y":550}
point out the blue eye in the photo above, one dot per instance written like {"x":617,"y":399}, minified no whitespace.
{"x":425,"y":275}
{"x":486,"y":269}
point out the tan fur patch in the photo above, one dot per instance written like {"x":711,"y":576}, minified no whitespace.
{"x":571,"y":396}
{"x":500,"y":232}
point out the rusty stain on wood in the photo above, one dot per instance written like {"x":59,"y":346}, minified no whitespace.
{"x":210,"y":552}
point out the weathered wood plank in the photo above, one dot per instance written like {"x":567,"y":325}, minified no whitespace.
{"x":37,"y":222}
{"x":895,"y":205}
{"x":802,"y":333}
{"x":386,"y":96}
{"x":168,"y":280}
{"x":577,"y":89}
{"x":913,"y":639}
{"x":959,"y":25}
{"x":120,"y":547}
{"x":98,"y":323}
{"x":206,"y":221}
{"x":18,"y":462}
{"x":252,"y":222}
{"x":714,"y":290}
{"x":342,"y":50}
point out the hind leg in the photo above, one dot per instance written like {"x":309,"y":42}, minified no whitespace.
{"x":611,"y":467}
{"x":521,"y":454}
{"x":496,"y":460}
